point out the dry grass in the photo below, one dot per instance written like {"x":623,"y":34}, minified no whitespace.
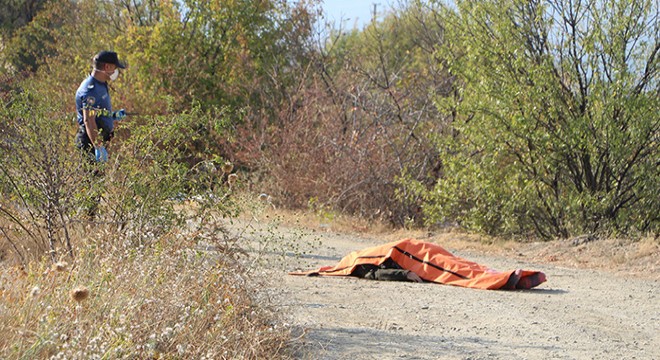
{"x":164,"y":300}
{"x":625,"y":257}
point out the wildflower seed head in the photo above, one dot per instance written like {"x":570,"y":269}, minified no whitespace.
{"x":231,"y":179}
{"x":227,"y":167}
{"x":80,"y":293}
{"x":60,"y":266}
{"x":35,"y":291}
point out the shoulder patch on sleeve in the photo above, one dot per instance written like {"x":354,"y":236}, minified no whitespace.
{"x":89,"y":101}
{"x":90,"y":86}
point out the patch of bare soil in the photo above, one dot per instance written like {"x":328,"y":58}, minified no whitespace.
{"x":600,"y":301}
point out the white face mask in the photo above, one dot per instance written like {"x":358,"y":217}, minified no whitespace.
{"x":114,"y":75}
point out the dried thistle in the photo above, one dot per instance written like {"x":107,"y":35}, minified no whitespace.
{"x":80,"y":293}
{"x":231,"y":179}
{"x":60,"y":266}
{"x":35,"y":291}
{"x":227,"y":167}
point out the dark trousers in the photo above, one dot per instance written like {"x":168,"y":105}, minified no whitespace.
{"x":88,"y":165}
{"x":388,"y":271}
{"x":85,"y":144}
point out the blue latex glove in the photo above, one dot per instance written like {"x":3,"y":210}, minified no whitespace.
{"x":119,"y":114}
{"x":101,"y":154}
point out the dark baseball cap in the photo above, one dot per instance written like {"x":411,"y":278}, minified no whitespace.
{"x":109,"y":57}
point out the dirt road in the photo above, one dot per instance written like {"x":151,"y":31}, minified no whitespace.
{"x":577,"y":314}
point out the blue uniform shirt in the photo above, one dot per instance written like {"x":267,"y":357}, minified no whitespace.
{"x":93,"y":95}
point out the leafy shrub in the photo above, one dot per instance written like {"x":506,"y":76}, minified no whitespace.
{"x":556,"y":127}
{"x":48,"y":187}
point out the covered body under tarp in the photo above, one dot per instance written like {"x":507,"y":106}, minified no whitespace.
{"x":432,"y":263}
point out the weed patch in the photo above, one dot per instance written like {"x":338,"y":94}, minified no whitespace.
{"x":165,"y":300}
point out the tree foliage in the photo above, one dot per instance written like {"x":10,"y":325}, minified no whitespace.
{"x":24,"y":38}
{"x":16,"y":14}
{"x":556,"y":126}
{"x":505,"y":116}
{"x":241,"y":56}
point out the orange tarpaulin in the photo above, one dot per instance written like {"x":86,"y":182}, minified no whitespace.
{"x":432,"y":263}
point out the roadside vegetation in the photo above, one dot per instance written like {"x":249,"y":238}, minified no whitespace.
{"x":162,"y":299}
{"x":523,"y":120}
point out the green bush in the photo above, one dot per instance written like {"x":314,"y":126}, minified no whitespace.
{"x":48,"y":188}
{"x":556,"y":121}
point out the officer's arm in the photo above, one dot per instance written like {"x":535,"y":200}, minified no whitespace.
{"x":89,"y":118}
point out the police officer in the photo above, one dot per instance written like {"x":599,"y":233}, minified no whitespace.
{"x":95,"y":116}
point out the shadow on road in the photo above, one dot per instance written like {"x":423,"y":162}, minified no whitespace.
{"x":363,"y":343}
{"x":542,"y":291}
